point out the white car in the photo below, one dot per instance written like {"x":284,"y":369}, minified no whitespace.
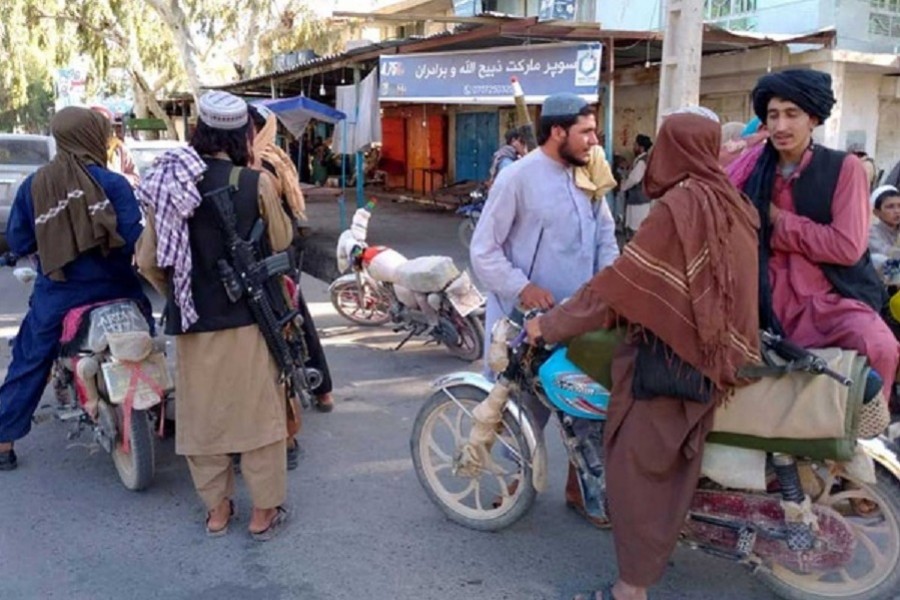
{"x":144,"y":152}
{"x":20,"y":156}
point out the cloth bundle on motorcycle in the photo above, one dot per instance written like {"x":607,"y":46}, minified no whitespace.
{"x":86,"y":328}
{"x":385,"y":263}
{"x":798,"y":413}
{"x":427,"y":273}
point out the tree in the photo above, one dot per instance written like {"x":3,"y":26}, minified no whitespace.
{"x":29,"y":111}
{"x":163,"y":45}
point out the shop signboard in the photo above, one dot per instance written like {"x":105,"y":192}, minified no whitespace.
{"x":484,"y":76}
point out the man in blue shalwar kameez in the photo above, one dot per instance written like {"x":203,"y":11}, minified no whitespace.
{"x":82,"y":220}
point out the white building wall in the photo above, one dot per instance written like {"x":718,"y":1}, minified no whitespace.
{"x":630,"y":15}
{"x":868,"y":101}
{"x":791,"y":16}
{"x":887,"y":146}
{"x":860,"y":105}
{"x":852,"y":22}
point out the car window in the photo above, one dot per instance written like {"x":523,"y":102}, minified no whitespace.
{"x":24,"y":152}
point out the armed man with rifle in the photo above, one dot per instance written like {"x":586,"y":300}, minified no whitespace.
{"x":214,"y":233}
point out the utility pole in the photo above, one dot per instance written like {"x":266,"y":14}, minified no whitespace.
{"x":679,"y":81}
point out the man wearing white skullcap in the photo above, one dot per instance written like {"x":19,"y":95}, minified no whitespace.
{"x":229,"y":397}
{"x":883,"y":242}
{"x":544,"y":233}
{"x":221,"y":110}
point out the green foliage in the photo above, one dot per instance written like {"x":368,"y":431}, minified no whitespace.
{"x":153,"y":43}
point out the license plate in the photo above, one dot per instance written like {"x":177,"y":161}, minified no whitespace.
{"x":467,"y":301}
{"x":118,"y":378}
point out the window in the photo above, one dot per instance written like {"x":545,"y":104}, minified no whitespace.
{"x":884,"y":18}
{"x":736,"y":14}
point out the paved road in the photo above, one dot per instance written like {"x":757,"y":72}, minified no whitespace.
{"x":362,"y":527}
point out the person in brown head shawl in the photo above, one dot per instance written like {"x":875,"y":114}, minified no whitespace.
{"x":82,"y":221}
{"x":685,"y":288}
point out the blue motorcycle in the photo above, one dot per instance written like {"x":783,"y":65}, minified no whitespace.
{"x":470,"y":211}
{"x":480,"y":455}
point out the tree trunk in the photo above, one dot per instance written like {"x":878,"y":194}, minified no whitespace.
{"x":173,"y":15}
{"x":248,"y":53}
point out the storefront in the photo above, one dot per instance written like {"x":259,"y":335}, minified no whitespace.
{"x":448,"y":112}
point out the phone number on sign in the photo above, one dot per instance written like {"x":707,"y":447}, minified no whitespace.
{"x":488,"y":90}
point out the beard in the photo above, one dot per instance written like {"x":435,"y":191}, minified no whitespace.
{"x":565,"y":152}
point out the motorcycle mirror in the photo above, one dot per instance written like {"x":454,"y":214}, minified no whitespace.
{"x":25,"y":274}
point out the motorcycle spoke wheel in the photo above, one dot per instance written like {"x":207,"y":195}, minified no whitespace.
{"x":872,"y":569}
{"x":495,"y":492}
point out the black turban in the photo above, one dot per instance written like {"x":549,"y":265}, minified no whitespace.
{"x":808,"y":89}
{"x":644,"y":142}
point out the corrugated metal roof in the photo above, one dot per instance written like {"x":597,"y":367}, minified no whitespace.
{"x":631,"y":47}
{"x":343,"y":56}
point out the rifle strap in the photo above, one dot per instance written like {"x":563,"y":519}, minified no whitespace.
{"x":234,"y":177}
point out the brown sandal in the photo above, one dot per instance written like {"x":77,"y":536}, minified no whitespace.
{"x":275,"y":526}
{"x":324,"y":403}
{"x":232,"y":513}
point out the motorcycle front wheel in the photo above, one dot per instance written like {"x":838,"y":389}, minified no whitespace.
{"x":469,"y":342}
{"x":873,"y":572}
{"x":493,"y":498}
{"x":136,"y":467}
{"x":364,"y":306}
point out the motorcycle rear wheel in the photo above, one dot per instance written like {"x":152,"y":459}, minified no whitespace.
{"x":137,"y":467}
{"x":874,"y":571}
{"x":493,"y":500}
{"x":373,"y":310}
{"x":470,"y":332}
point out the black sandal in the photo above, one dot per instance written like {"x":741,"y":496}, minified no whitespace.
{"x":8,"y":460}
{"x":605,"y":593}
{"x":232,"y":513}
{"x":275,"y":526}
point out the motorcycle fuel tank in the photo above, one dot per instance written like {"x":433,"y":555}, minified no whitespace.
{"x":570,"y":390}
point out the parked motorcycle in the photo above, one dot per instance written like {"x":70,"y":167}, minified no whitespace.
{"x":427,"y":297}
{"x":812,"y":528}
{"x":111,"y":379}
{"x":471,"y":210}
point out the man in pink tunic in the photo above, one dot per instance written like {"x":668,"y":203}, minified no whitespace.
{"x":822,"y":289}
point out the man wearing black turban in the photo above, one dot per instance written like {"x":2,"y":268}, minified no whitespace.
{"x":817,"y":282}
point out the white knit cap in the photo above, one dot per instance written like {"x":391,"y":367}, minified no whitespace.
{"x":221,"y":110}
{"x":700,"y":111}
{"x":878,"y":192}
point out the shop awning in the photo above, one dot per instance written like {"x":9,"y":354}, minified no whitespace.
{"x":295,"y":113}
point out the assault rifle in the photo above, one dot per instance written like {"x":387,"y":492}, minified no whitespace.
{"x":248,"y":276}
{"x":797,"y":358}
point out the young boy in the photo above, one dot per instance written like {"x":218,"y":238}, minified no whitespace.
{"x":883,"y":233}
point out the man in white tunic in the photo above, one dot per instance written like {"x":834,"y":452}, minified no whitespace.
{"x":541,"y":237}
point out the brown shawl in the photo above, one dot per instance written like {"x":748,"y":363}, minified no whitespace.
{"x":265,"y":150}
{"x":71,"y":211}
{"x":689,"y":275}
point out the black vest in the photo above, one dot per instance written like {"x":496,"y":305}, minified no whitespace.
{"x":216,"y":312}
{"x":813,"y":194}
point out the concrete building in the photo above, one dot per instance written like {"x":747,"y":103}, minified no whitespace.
{"x":867,"y":87}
